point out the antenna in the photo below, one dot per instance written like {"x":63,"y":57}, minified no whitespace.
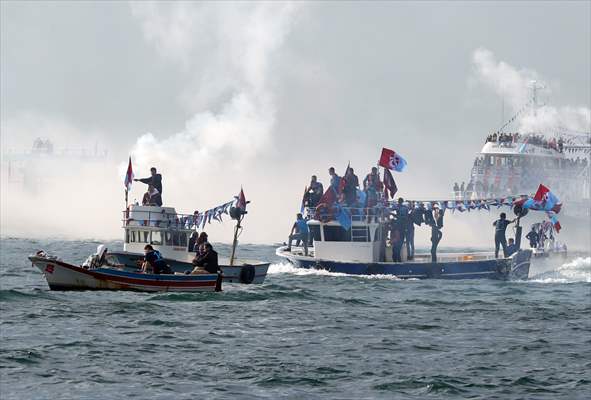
{"x":534,"y":86}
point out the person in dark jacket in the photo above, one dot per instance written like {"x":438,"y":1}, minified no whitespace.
{"x":511,"y":247}
{"x":500,"y":240}
{"x":155,"y":180}
{"x":153,"y":261}
{"x":533,"y":238}
{"x":207,"y":262}
{"x":436,"y":236}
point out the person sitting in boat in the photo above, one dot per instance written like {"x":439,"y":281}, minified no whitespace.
{"x":300,"y":233}
{"x":98,"y":259}
{"x":192,"y":241}
{"x":315,"y":192}
{"x":207,"y":261}
{"x":201,"y":240}
{"x":153,"y":262}
{"x":155,"y":180}
{"x":500,"y":228}
{"x":511,"y":247}
{"x":533,"y":237}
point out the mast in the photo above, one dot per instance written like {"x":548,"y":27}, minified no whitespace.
{"x":235,"y":241}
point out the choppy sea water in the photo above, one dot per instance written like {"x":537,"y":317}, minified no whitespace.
{"x":303,"y":334}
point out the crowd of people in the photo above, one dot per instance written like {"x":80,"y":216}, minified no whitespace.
{"x":346,"y":189}
{"x":506,"y":139}
{"x":204,"y":262}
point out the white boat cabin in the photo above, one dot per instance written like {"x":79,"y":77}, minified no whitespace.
{"x":363,"y":242}
{"x":167,"y":231}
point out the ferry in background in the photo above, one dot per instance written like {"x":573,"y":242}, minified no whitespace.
{"x":512,"y":162}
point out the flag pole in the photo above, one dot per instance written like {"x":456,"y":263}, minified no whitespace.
{"x":235,"y":241}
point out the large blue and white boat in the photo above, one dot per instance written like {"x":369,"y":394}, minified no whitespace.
{"x":363,"y":249}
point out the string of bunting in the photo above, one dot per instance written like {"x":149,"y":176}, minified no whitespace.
{"x":199,"y":219}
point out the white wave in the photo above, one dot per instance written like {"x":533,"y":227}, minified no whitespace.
{"x":285,"y":268}
{"x":576,"y":270}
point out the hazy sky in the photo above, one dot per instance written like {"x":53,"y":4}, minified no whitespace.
{"x":265,"y":94}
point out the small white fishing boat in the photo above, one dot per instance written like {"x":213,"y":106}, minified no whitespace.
{"x":169,"y":233}
{"x":64,"y":276}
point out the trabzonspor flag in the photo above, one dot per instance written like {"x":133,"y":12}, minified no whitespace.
{"x":128,"y":176}
{"x":392,"y":160}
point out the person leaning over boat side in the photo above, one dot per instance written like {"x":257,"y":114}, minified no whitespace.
{"x":153,"y":260}
{"x":207,"y":261}
{"x":500,"y":228}
{"x":533,"y":237}
{"x":155,"y":180}
{"x":511,"y":247}
{"x":300,"y":227}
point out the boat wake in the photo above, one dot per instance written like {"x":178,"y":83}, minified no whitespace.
{"x":576,"y":270}
{"x":285,"y":268}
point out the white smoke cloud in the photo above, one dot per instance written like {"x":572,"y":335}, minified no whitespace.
{"x":514,"y":85}
{"x":226,"y":51}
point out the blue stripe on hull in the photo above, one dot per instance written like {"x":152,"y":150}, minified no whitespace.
{"x":492,"y":269}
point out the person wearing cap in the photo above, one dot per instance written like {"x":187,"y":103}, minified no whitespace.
{"x":500,"y":239}
{"x":299,"y":232}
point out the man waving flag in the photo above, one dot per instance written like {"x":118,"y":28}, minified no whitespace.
{"x":392,"y":160}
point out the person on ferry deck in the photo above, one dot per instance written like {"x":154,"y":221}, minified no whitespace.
{"x":335,"y":180}
{"x":396,"y":238}
{"x":299,"y":232}
{"x":511,"y":247}
{"x":315,"y":192}
{"x":207,"y":261}
{"x":436,"y":236}
{"x":410,"y":231}
{"x":153,"y":261}
{"x":456,"y":189}
{"x":500,"y":228}
{"x":155,"y":180}
{"x":350,"y":189}
{"x":533,"y":237}
{"x":155,"y":197}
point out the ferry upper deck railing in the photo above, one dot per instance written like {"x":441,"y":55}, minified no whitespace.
{"x":161,"y":219}
{"x":353,"y":214}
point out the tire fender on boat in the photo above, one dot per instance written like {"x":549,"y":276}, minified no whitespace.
{"x":247,"y":273}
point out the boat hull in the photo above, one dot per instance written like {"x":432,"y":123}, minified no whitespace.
{"x":247,"y":273}
{"x":513,"y":268}
{"x":64,"y":276}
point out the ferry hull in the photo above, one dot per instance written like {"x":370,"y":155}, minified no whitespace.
{"x":64,"y":276}
{"x":513,"y":268}
{"x":246,"y":273}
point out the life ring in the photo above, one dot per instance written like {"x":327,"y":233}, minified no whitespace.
{"x":247,"y":274}
{"x":323,"y":213}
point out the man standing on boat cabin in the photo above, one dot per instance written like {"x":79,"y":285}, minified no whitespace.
{"x":500,"y":239}
{"x":155,"y":180}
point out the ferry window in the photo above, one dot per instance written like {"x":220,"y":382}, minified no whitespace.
{"x":175,"y":239}
{"x":157,"y":238}
{"x":168,"y":238}
{"x":133,"y":237}
{"x":377,"y":236}
{"x":145,"y":237}
{"x":336,"y":234}
{"x":315,"y":232}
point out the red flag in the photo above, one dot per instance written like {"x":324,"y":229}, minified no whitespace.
{"x":241,"y":200}
{"x":329,"y":197}
{"x":389,"y":184}
{"x":541,"y":193}
{"x":128,"y":176}
{"x":392,"y":160}
{"x":343,"y":180}
{"x":557,"y":226}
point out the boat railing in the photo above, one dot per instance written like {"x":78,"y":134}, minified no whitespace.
{"x":353,"y":214}
{"x":160,"y":219}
